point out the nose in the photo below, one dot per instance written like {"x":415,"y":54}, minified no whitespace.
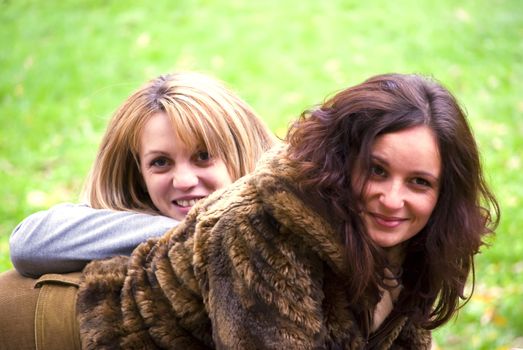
{"x":184,"y":177}
{"x":392,"y":196}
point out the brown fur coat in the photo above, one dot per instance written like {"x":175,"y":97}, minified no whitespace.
{"x":251,"y":267}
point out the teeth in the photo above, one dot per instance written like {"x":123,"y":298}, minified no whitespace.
{"x":187,"y":203}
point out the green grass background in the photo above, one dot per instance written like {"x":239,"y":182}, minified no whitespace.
{"x":66,"y":65}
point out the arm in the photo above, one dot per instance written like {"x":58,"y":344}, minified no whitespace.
{"x":67,"y":236}
{"x":225,"y":285}
{"x":227,"y":277}
{"x":263,"y":289}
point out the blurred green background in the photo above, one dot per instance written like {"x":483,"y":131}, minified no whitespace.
{"x":66,"y":65}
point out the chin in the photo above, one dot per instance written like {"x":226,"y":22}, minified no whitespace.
{"x":178,"y":217}
{"x":384,"y":243}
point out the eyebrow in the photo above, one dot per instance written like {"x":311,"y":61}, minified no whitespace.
{"x":154,"y":152}
{"x":415,"y":172}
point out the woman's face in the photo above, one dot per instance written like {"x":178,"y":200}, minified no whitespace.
{"x":176,"y":177}
{"x":403,"y":186}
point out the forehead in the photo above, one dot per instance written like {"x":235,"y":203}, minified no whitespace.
{"x":157,"y":133}
{"x":162,"y":126}
{"x":158,"y":125}
{"x":414,"y":149}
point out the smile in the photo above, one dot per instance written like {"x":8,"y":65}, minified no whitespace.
{"x":386,"y":221}
{"x":186,"y":202}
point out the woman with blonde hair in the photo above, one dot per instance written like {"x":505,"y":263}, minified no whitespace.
{"x":173,"y":142}
{"x":204,"y":116}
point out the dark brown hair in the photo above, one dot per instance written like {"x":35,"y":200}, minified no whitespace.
{"x":325,"y":144}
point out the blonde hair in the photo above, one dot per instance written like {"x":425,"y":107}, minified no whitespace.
{"x":204,"y":113}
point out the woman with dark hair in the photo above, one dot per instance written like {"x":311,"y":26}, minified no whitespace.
{"x":359,"y":233}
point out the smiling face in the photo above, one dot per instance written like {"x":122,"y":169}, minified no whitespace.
{"x":176,"y":177}
{"x":403,"y":185}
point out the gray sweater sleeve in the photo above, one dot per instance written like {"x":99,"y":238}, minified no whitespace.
{"x":67,"y":236}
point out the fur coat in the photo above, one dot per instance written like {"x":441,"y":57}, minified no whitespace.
{"x":251,"y":267}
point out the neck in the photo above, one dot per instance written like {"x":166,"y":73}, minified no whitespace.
{"x":395,"y":256}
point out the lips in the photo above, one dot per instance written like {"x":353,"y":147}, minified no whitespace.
{"x":187,"y":203}
{"x":387,"y":221}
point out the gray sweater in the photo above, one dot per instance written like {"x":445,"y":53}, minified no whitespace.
{"x":67,"y":236}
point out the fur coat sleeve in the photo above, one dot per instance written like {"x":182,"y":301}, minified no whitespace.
{"x":251,"y":267}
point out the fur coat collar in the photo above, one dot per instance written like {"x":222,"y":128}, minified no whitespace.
{"x":251,"y":267}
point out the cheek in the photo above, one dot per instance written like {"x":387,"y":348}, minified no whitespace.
{"x":369,"y":193}
{"x":220,"y":180}
{"x":155,"y":185}
{"x":218,"y":176}
{"x":425,"y":208}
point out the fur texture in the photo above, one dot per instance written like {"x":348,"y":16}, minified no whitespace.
{"x":251,"y":267}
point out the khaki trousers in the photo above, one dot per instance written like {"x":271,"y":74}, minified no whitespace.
{"x":38,"y":313}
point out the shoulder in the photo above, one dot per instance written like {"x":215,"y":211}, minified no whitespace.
{"x":416,"y":336}
{"x":264,"y":207}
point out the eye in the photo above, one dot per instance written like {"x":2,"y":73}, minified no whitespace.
{"x":376,"y":170}
{"x":419,"y":181}
{"x":203,"y":156}
{"x":159,"y":162}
